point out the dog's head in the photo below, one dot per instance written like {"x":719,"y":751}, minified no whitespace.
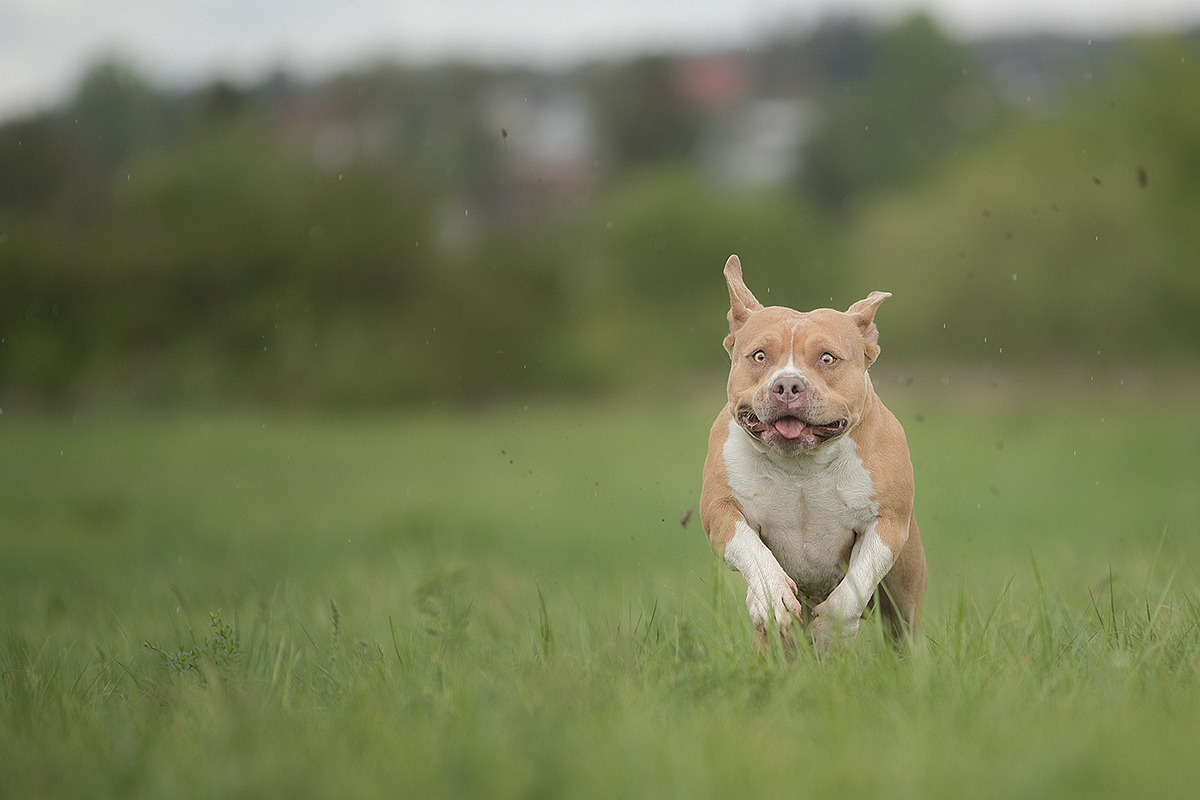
{"x":798,"y":379}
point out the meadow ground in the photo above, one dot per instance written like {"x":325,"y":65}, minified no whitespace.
{"x":506,"y":604}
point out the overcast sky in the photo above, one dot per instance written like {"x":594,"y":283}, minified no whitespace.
{"x":46,"y":44}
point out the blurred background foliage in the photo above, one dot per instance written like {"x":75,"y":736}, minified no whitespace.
{"x":458,"y":234}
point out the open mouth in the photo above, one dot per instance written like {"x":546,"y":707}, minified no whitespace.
{"x":790,"y":428}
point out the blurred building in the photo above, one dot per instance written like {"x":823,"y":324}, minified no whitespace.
{"x":748,"y":141}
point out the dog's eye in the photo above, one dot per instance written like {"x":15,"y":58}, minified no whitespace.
{"x":759,"y":356}
{"x":828,"y":359}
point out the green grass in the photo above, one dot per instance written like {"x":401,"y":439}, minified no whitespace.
{"x":505,"y":604}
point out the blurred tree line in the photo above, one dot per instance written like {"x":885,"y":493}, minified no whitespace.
{"x":459,"y":234}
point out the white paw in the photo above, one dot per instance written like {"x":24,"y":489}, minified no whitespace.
{"x":827,"y":631}
{"x":771,"y":597}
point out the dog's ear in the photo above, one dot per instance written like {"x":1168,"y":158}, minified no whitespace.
{"x":863,"y":313}
{"x":741,"y":302}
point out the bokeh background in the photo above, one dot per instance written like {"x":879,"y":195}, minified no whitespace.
{"x":357,"y":360}
{"x":364,"y":206}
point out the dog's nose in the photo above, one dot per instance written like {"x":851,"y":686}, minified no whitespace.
{"x":789,"y":388}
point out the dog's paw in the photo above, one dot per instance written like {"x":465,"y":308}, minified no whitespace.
{"x":771,"y":598}
{"x":828,"y":631}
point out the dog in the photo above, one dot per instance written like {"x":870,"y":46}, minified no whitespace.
{"x":808,"y":485}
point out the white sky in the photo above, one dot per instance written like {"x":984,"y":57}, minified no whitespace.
{"x":45,"y":45}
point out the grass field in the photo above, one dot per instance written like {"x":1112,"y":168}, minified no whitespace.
{"x":505,"y":604}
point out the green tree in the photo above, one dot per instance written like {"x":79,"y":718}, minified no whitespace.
{"x":891,"y":126}
{"x":115,"y":111}
{"x":641,"y":117}
{"x":37,"y":163}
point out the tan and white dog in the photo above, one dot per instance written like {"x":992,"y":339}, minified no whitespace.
{"x":808,"y":485}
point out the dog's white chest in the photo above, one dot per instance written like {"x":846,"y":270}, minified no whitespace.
{"x":806,"y":508}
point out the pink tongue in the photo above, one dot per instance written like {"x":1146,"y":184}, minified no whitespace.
{"x":789,"y":427}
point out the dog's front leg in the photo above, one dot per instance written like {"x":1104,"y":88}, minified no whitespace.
{"x":870,"y":560}
{"x":770,"y":592}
